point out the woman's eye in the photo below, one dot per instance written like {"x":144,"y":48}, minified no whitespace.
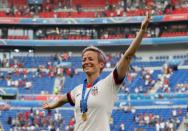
{"x":90,"y":59}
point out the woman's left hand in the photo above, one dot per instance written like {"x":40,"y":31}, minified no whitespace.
{"x":146,"y":21}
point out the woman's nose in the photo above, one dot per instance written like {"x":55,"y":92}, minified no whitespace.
{"x":86,"y":61}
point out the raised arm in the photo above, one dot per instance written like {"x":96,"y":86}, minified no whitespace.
{"x":61,"y":101}
{"x":124,"y":62}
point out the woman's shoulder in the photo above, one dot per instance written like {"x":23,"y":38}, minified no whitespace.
{"x":78,"y":87}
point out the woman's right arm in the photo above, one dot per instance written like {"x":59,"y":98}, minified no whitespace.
{"x":61,"y":101}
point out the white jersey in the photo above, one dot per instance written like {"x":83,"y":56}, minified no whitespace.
{"x":100,"y":104}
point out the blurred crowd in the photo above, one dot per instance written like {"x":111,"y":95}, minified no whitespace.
{"x":33,"y":120}
{"x":152,"y":120}
{"x":65,"y":9}
{"x":23,"y":77}
{"x":110,"y":9}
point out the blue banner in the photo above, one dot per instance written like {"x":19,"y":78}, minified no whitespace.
{"x":91,"y":21}
{"x":88,"y":21}
{"x":77,"y":21}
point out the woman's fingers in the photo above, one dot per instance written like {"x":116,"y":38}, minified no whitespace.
{"x":45,"y":106}
{"x":146,"y":21}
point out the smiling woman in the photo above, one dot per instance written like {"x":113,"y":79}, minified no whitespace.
{"x":93,"y":58}
{"x":95,"y":97}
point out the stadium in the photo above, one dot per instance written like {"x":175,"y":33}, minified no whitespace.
{"x":40,"y":59}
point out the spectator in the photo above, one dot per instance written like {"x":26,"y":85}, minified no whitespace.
{"x":122,"y":127}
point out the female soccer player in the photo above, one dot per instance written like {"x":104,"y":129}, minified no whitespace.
{"x":94,"y":98}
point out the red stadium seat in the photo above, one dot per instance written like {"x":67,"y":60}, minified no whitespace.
{"x":2,"y":14}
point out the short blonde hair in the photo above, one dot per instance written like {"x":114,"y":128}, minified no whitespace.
{"x":101,"y":55}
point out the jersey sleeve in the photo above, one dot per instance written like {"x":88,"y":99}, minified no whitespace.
{"x":71,"y":96}
{"x":116,"y":78}
{"x":112,"y":80}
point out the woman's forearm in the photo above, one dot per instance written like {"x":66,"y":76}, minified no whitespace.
{"x":61,"y":101}
{"x":134,"y":45}
{"x":124,"y":62}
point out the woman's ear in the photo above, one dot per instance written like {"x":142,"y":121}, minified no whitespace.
{"x":101,"y":65}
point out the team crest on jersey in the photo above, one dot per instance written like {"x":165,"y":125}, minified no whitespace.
{"x":94,"y":91}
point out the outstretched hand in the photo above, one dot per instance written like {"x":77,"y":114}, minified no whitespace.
{"x":146,"y":21}
{"x":46,"y":106}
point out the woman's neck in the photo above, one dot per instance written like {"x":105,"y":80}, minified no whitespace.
{"x":92,"y":78}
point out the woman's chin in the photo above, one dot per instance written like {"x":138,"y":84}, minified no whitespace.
{"x":88,"y":72}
